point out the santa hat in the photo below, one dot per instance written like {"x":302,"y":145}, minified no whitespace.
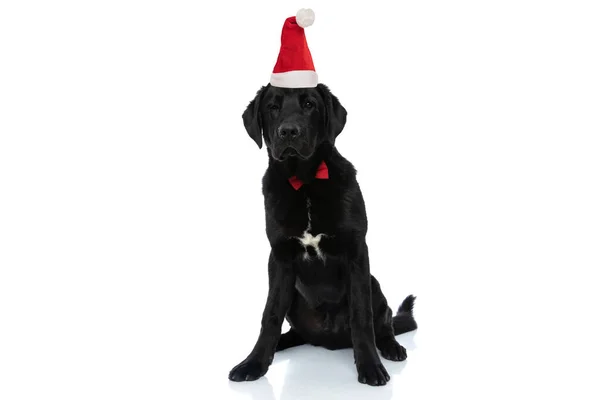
{"x":294,"y":67}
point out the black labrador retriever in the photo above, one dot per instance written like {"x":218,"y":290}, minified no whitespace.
{"x":319,"y":277}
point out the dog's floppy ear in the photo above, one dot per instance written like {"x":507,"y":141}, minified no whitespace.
{"x":336,"y":113}
{"x":252,"y":120}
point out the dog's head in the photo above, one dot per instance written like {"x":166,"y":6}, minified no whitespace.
{"x":294,"y":122}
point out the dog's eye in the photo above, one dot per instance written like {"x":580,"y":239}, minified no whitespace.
{"x":273,"y":107}
{"x":308,"y":104}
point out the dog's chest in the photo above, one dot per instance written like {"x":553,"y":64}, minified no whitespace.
{"x":311,"y":238}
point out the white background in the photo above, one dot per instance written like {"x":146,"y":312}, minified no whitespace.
{"x":132,"y":246}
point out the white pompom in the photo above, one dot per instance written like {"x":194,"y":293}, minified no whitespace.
{"x":305,"y":17}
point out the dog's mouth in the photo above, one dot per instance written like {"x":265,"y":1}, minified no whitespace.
{"x":289,"y":152}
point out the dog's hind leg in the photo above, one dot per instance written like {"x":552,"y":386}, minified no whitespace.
{"x":290,"y":339}
{"x":384,"y":327}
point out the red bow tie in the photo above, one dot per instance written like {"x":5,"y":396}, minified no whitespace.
{"x":322,"y":173}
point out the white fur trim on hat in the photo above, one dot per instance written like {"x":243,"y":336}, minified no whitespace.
{"x":295,"y":79}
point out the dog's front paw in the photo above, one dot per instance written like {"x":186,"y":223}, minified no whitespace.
{"x":392,"y":350}
{"x":372,"y":373}
{"x":248,"y":370}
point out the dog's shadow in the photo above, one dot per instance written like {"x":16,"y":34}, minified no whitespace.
{"x":317,"y":373}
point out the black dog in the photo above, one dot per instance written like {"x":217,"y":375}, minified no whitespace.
{"x":319,"y":277}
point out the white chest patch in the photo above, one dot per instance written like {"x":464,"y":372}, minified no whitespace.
{"x":308,"y":240}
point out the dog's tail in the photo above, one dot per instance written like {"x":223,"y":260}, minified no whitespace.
{"x":404,"y":321}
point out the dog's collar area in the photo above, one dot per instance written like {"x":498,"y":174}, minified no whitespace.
{"x":322,"y":173}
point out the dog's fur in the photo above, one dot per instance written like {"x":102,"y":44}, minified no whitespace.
{"x":322,"y":285}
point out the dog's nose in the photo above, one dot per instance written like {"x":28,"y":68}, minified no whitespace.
{"x":288,"y":130}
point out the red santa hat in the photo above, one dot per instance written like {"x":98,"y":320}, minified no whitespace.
{"x":294,"y":67}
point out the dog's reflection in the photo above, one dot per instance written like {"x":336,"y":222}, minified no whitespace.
{"x":317,"y":373}
{"x":258,"y":390}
